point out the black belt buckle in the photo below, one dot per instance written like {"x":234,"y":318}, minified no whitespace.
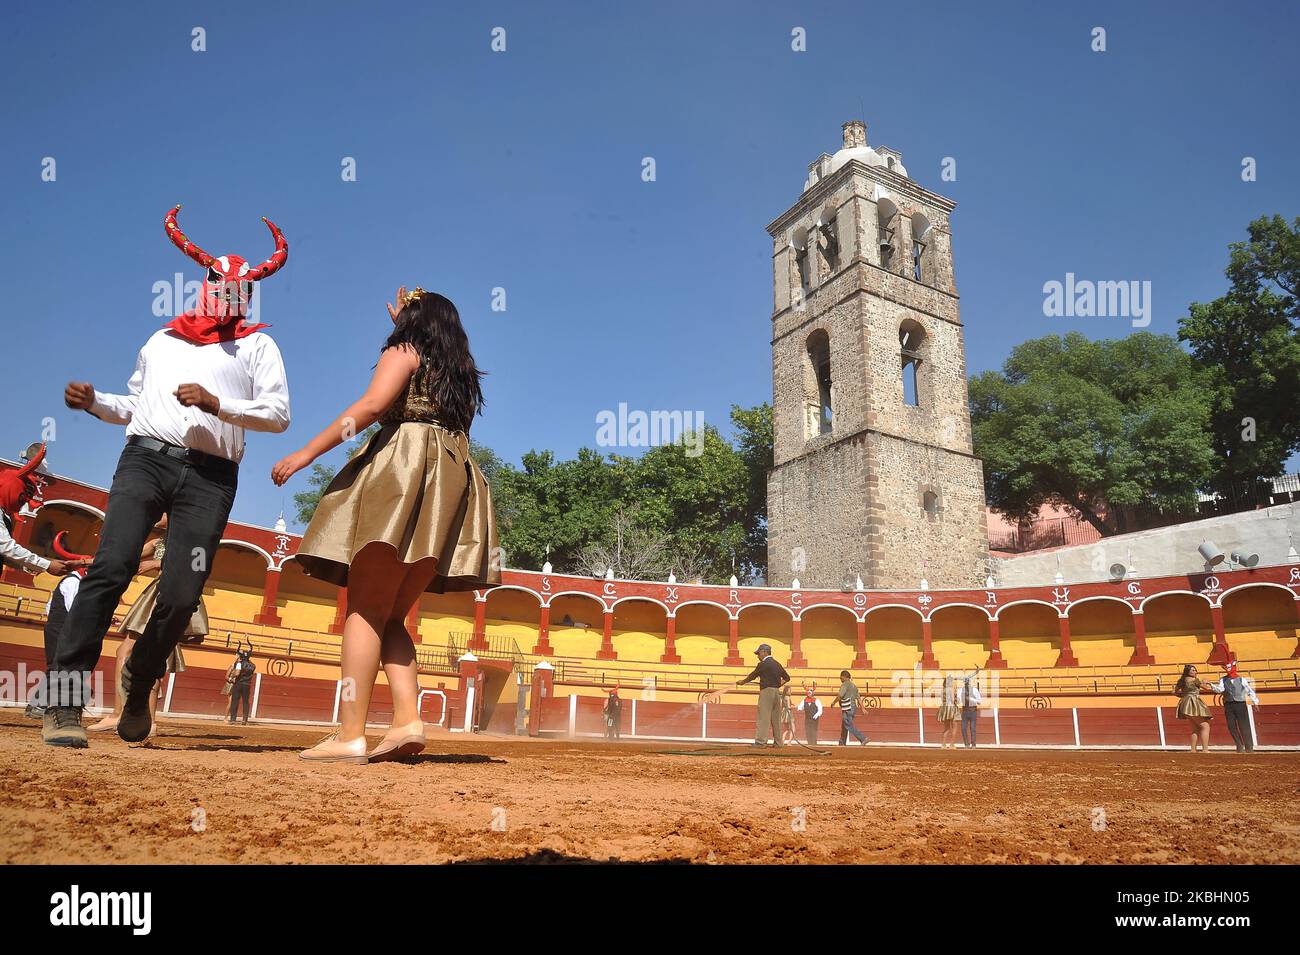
{"x":188,"y":455}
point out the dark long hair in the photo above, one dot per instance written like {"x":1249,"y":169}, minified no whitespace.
{"x":431,"y":325}
{"x":1181,"y":686}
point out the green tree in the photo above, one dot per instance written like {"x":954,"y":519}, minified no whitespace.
{"x":1093,"y":426}
{"x":1246,"y":344}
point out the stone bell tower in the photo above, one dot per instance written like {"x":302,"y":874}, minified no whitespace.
{"x":873,"y":473}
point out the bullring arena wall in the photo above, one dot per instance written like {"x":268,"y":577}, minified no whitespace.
{"x":1086,"y":664}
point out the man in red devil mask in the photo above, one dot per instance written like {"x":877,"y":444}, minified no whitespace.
{"x":199,"y":382}
{"x":16,"y":489}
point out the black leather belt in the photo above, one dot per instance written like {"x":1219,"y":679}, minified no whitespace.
{"x":189,"y":455}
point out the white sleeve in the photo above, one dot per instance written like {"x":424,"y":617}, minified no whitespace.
{"x":975,"y":698}
{"x":69,"y":589}
{"x":16,"y":553}
{"x":1216,"y":687}
{"x":268,"y":409}
{"x":119,"y":409}
{"x":1250,"y":691}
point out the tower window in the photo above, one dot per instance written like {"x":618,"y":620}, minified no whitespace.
{"x":918,"y":252}
{"x":930,"y":503}
{"x":911,"y":339}
{"x":828,"y":247}
{"x":819,"y":395}
{"x":886,"y":218}
{"x":920,"y":234}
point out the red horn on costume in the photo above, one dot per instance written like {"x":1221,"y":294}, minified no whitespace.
{"x":278,"y":257}
{"x":61,"y":548}
{"x":182,"y":241}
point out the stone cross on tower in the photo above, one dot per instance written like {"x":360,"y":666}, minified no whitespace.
{"x":873,"y":472}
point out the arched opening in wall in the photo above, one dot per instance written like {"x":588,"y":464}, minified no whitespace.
{"x":639,"y":630}
{"x":304,"y":602}
{"x":1260,"y":622}
{"x":1029,"y":634}
{"x":828,"y":242}
{"x":894,"y":637}
{"x":512,"y":614}
{"x":577,"y":625}
{"x":960,"y":637}
{"x":819,"y":414}
{"x":828,"y":636}
{"x":1179,"y":628}
{"x":920,"y":242}
{"x":1102,"y":632}
{"x":802,"y":265}
{"x":911,"y":344}
{"x":886,"y":225}
{"x":762,"y":624}
{"x":233,"y":593}
{"x":930,"y":503}
{"x":702,"y":632}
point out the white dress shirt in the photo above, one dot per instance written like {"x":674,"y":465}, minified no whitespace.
{"x":1246,"y":685}
{"x":16,"y":553}
{"x":246,"y":375}
{"x":975,"y":697}
{"x":67,"y":589}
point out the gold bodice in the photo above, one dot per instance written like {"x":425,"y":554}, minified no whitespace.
{"x":413,"y":404}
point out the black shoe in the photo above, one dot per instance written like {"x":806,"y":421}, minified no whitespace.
{"x":62,"y":727}
{"x":136,"y":722}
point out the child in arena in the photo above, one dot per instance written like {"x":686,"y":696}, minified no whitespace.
{"x":410,"y":513}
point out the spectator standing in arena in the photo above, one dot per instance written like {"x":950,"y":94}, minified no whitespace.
{"x":849,"y":700}
{"x":771,"y":678}
{"x":240,"y":680}
{"x":968,"y":700}
{"x":1237,"y":693}
{"x":613,"y":712}
{"x":949,"y":713}
{"x":811,"y":708}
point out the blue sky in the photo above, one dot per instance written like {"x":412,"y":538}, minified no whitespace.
{"x":521,"y":170}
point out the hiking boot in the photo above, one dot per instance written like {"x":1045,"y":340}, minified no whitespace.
{"x":61,"y":726}
{"x":136,"y":722}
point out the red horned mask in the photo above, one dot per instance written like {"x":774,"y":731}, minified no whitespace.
{"x":61,"y":548}
{"x":15,"y":485}
{"x":227,"y":287}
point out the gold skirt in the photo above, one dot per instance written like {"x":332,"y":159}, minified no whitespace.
{"x":949,"y":712}
{"x":1192,"y":705}
{"x":415,"y":488}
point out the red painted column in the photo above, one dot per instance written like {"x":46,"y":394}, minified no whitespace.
{"x":543,"y":645}
{"x":1066,"y":659}
{"x":670,"y":642}
{"x":23,"y":527}
{"x":796,"y":644}
{"x":1140,"y":652}
{"x":340,"y":610}
{"x":543,"y":689}
{"x":471,"y":686}
{"x":1220,"y":654}
{"x":269,"y":615}
{"x":995,"y":647}
{"x":860,"y":659}
{"x":478,"y":640}
{"x":733,"y":643}
{"x":413,"y":622}
{"x":1296,"y":654}
{"x":606,"y":651}
{"x":928,"y":662}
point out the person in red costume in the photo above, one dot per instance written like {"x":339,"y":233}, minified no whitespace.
{"x":199,"y":382}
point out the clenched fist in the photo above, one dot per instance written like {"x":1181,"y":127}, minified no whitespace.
{"x":199,"y":397}
{"x":79,"y":394}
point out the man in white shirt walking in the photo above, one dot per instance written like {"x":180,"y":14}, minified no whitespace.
{"x":198,"y":383}
{"x":969,"y":699}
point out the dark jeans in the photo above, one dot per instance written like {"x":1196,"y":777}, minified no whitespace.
{"x":240,"y":693}
{"x":810,"y":729}
{"x":969,"y":721}
{"x":847,"y":727}
{"x":1238,"y":720}
{"x":146,"y":485}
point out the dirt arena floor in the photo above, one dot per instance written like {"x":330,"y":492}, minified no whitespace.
{"x":209,"y":792}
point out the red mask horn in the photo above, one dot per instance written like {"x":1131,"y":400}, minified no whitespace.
{"x":278,"y":257}
{"x":182,"y":241}
{"x":61,"y":548}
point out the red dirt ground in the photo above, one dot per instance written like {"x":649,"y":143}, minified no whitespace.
{"x":588,"y":801}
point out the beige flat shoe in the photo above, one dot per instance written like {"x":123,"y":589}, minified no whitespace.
{"x":331,"y":750}
{"x":402,"y":746}
{"x":107,"y":724}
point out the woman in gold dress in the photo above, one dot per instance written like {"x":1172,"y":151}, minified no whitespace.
{"x":410,"y":513}
{"x":949,"y":713}
{"x":1192,"y":708}
{"x":137,"y":619}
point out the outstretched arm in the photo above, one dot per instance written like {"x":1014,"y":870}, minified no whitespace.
{"x":115,"y":409}
{"x":396,"y":365}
